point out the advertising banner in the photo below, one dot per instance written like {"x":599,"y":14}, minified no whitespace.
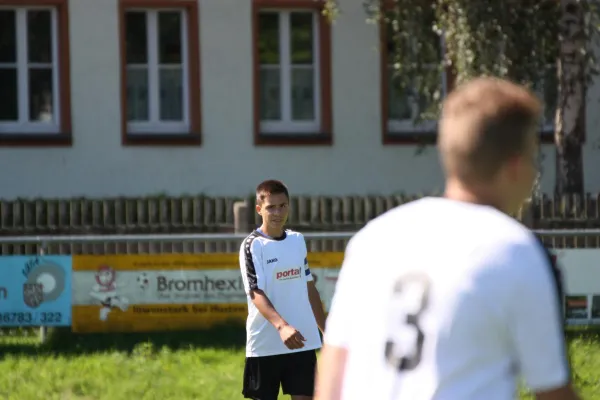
{"x":35,"y":291}
{"x":581,"y":275}
{"x":123,"y":293}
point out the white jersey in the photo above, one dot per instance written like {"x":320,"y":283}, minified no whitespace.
{"x":279,"y":268}
{"x":445,"y":300}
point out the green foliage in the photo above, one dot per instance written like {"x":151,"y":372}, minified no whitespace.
{"x":514,"y":39}
{"x":493,"y":38}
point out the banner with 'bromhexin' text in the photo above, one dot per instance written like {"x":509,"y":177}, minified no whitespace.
{"x":121,"y":293}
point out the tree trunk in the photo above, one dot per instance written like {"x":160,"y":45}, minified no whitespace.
{"x":570,"y":113}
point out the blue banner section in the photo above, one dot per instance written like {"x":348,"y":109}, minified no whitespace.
{"x":35,"y":290}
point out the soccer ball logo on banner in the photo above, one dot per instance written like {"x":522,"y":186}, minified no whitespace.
{"x":143,"y":281}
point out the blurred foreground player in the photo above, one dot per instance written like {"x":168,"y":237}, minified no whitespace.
{"x":285,"y":311}
{"x":450,"y":298}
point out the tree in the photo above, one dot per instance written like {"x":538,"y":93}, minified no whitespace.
{"x":516,"y":39}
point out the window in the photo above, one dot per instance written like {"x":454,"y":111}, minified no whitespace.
{"x":401,"y":107}
{"x":34,"y":103}
{"x":289,"y":77}
{"x":293,"y":75}
{"x":161,"y":75}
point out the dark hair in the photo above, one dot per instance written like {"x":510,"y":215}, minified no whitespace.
{"x":268,"y":187}
{"x":484,"y":123}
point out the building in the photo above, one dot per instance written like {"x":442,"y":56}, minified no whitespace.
{"x":106,"y":98}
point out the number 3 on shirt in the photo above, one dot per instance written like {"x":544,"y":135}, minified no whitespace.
{"x":405,"y":341}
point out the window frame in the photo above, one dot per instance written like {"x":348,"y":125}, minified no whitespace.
{"x":156,"y":133}
{"x":31,"y":133}
{"x":399,"y":126}
{"x":285,"y":66}
{"x":418,"y":135}
{"x":153,"y":66}
{"x":276,"y":133}
{"x":404,"y":131}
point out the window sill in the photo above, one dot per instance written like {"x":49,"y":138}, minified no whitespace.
{"x":430,"y":138}
{"x":36,"y":140}
{"x":162,"y":139}
{"x":410,"y":137}
{"x":293,"y":139}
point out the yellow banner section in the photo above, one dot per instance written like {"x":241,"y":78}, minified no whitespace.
{"x":156,"y":317}
{"x":210,"y":261}
{"x":161,"y":292}
{"x":325,"y":259}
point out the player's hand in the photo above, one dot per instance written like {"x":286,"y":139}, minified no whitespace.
{"x":291,"y":337}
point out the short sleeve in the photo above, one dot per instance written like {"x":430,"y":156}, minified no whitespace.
{"x":306,"y":268}
{"x":536,"y":322}
{"x":342,"y":312}
{"x":251,"y":265}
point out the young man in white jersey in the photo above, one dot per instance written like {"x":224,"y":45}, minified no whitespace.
{"x":450,"y":298}
{"x":285,"y":312}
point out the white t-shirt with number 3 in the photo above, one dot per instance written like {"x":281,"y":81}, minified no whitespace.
{"x":444,"y":300}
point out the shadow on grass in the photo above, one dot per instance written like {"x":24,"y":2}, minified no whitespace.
{"x":61,"y":341}
{"x":591,"y":333}
{"x":232,"y":336}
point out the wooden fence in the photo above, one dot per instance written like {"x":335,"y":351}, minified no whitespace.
{"x":216,"y":214}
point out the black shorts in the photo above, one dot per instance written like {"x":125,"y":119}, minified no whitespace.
{"x":295,"y":373}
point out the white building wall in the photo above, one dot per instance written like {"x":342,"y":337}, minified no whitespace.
{"x":228,"y":163}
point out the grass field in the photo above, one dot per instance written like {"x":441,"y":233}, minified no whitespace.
{"x":192,"y":365}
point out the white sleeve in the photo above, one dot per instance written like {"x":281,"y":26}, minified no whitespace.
{"x":536,"y":321}
{"x":251,"y":265}
{"x":342,"y":312}
{"x":305,"y":269}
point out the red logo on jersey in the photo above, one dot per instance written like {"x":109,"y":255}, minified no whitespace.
{"x":292,"y":273}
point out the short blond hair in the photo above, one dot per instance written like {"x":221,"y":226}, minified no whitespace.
{"x":484,"y":123}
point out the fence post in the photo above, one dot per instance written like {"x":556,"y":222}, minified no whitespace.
{"x":43,"y":329}
{"x":240,"y":216}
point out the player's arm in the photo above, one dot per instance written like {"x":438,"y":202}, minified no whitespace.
{"x":332,"y":363}
{"x":313,"y":294}
{"x":251,"y":264}
{"x":537,"y":328}
{"x":267,"y":309}
{"x":316,"y":304}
